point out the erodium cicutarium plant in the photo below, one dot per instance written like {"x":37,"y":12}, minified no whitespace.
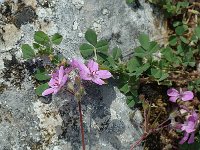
{"x":89,"y":72}
{"x":145,"y":77}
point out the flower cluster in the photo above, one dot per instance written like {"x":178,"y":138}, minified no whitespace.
{"x":192,"y":119}
{"x":189,"y":127}
{"x":90,"y":72}
{"x":184,"y":96}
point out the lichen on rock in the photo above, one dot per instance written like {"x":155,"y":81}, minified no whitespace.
{"x":26,"y":122}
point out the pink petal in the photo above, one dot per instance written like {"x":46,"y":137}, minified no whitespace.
{"x":68,"y":70}
{"x":104,"y":74}
{"x":61,"y":74}
{"x":81,"y":66}
{"x":191,"y":139}
{"x":98,"y":81}
{"x":173,"y":98}
{"x":64,"y":80}
{"x":48,"y":91}
{"x":190,"y":127}
{"x":186,"y":135}
{"x":52,"y":82}
{"x":85,"y":75}
{"x":187,"y":95}
{"x":190,"y":130}
{"x":172,"y":92}
{"x":93,"y":66}
{"x":74,"y":63}
{"x":55,"y":90}
{"x":54,"y":74}
{"x":195,"y":115}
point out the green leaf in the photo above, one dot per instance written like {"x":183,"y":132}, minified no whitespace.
{"x":197,"y":31}
{"x":102,"y":46}
{"x":190,"y":86}
{"x":144,"y":41}
{"x":28,"y":52}
{"x":142,"y":69}
{"x":140,"y":52}
{"x":188,"y":59}
{"x":182,"y":5}
{"x":133,"y":64}
{"x":41,"y":38}
{"x":177,"y":23}
{"x":36,"y":46}
{"x":111,"y":62}
{"x":173,"y":40}
{"x":181,"y":29}
{"x":184,"y":40}
{"x":156,"y":73}
{"x":116,"y":53}
{"x":41,"y":88}
{"x":164,"y":76}
{"x":159,"y":74}
{"x":153,"y":47}
{"x":101,"y":57}
{"x":130,"y":103}
{"x":56,"y":39}
{"x":48,"y":50}
{"x":130,"y":1}
{"x":86,"y":50}
{"x":168,"y":54}
{"x":41,"y":75}
{"x":180,"y":50}
{"x":132,"y":99}
{"x":125,"y":88}
{"x":91,"y":37}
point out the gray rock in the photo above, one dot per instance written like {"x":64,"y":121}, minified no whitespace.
{"x":52,"y":123}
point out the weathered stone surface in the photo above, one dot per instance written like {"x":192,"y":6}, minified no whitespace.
{"x":30,"y":122}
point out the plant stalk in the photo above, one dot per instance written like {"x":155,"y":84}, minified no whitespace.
{"x":81,"y":125}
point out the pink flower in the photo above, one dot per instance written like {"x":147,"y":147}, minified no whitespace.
{"x":189,"y":127}
{"x":58,"y":79}
{"x":91,"y":71}
{"x":184,"y":96}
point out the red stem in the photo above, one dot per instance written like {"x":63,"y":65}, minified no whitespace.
{"x":139,"y":141}
{"x":81,"y":125}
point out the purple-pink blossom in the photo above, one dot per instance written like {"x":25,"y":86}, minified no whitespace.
{"x":58,"y":79}
{"x":91,"y":71}
{"x":189,"y":127}
{"x":183,"y":95}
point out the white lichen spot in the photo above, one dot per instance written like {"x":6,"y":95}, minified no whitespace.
{"x":113,"y":114}
{"x":157,"y":56}
{"x":97,"y":25}
{"x":2,"y":1}
{"x":10,"y":37}
{"x":80,"y":35}
{"x":105,"y":11}
{"x":32,"y":3}
{"x":75,"y":25}
{"x":49,"y":119}
{"x":43,"y":13}
{"x":78,"y":3}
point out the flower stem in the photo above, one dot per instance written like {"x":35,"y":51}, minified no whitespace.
{"x":95,"y":54}
{"x":81,"y":125}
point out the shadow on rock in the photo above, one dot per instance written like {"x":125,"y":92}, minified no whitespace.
{"x":98,"y":124}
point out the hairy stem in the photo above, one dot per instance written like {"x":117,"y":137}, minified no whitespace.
{"x":144,"y":136}
{"x":81,"y":125}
